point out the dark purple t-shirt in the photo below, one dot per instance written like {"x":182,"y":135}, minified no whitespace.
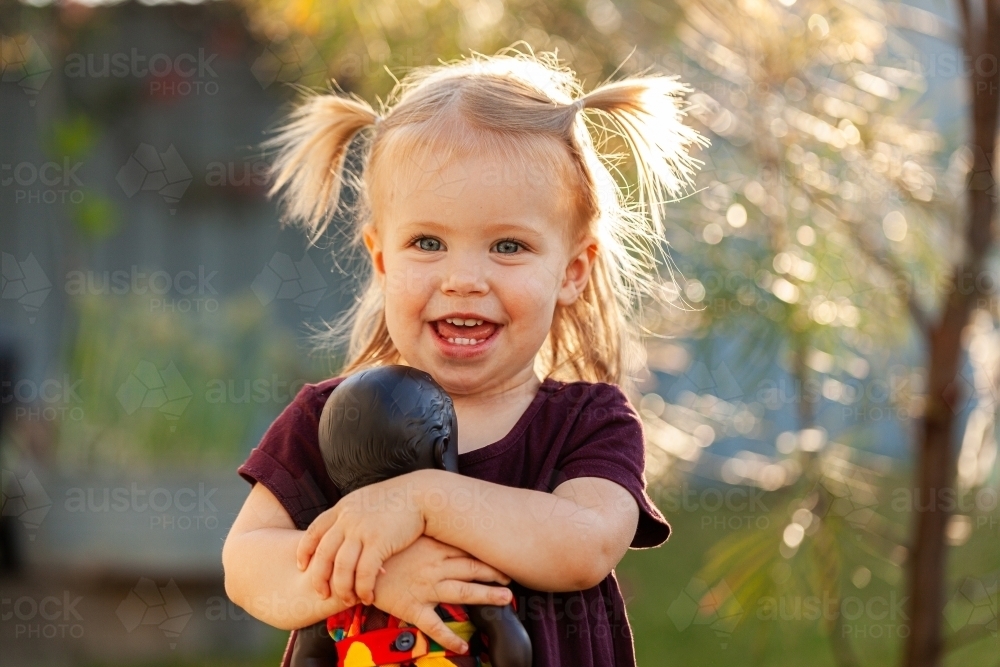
{"x":575,"y":429}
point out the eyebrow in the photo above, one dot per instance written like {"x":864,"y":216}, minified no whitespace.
{"x":492,"y":228}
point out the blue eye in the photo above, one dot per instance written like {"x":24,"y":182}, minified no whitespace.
{"x":428,"y":243}
{"x":507,"y":247}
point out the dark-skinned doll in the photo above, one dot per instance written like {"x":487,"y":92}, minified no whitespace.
{"x":377,"y":424}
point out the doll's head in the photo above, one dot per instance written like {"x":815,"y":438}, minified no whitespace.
{"x":386,"y":421}
{"x":484,"y":198}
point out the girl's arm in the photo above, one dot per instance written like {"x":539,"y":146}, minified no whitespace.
{"x":261,"y":577}
{"x":566,"y":540}
{"x":258,"y":559}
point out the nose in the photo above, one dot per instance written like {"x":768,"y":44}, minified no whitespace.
{"x":464,"y":278}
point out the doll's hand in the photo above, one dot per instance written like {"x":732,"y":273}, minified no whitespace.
{"x":428,"y":572}
{"x":345,"y":546}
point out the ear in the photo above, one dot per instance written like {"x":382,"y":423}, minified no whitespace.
{"x":374,"y":245}
{"x":578,"y":271}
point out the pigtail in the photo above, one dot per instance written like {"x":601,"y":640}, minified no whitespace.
{"x":311,"y":150}
{"x":646,"y":113}
{"x":597,"y":338}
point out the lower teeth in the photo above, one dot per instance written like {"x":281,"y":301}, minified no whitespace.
{"x":463,"y":341}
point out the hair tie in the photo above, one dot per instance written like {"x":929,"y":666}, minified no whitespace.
{"x":378,"y":119}
{"x":579,"y":104}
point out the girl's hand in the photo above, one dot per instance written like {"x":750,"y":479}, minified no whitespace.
{"x":345,"y":546}
{"x":428,"y":572}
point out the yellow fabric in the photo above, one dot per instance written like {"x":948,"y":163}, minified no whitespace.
{"x":358,"y":655}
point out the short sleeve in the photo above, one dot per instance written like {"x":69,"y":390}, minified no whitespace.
{"x":288,"y":460}
{"x":607,"y":441}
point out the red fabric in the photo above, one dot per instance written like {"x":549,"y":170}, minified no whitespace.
{"x":570,"y":430}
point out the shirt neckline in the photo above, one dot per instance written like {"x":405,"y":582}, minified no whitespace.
{"x":503,"y":444}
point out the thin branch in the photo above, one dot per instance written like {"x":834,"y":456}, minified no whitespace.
{"x":921,"y":21}
{"x":886,"y":262}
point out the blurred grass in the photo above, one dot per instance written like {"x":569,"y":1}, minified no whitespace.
{"x":218,"y":356}
{"x":652,"y":579}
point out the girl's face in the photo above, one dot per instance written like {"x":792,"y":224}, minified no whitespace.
{"x":473,"y":262}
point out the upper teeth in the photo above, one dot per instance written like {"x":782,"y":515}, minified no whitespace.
{"x":463,"y":323}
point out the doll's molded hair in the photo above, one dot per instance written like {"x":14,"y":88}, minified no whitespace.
{"x":529,"y":111}
{"x":376,"y":423}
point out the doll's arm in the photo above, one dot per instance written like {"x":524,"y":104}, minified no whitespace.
{"x":509,"y":644}
{"x":314,"y":647}
{"x":258,"y":558}
{"x":566,"y":540}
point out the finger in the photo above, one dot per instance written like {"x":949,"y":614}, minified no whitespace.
{"x":344,"y":566}
{"x":369,"y":565}
{"x":472,"y":569}
{"x":454,"y":591}
{"x":432,"y":626}
{"x":451,"y":551}
{"x":311,"y":538}
{"x":320,"y":568}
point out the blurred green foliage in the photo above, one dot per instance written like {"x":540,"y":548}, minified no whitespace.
{"x":182,"y":388}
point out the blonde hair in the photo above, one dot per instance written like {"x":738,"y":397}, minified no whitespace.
{"x":519,"y":107}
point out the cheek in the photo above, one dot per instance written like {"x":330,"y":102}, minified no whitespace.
{"x":531,"y":296}
{"x":407,"y":285}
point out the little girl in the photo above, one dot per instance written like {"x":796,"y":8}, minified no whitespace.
{"x":506,"y":263}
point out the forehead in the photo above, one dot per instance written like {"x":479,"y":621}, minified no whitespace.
{"x":522,"y":182}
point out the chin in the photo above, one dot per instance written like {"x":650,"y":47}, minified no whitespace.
{"x":455,"y":379}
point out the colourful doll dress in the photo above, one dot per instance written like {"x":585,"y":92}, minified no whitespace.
{"x":366,"y":636}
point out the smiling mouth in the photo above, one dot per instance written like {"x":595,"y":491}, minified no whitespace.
{"x":465,"y":331}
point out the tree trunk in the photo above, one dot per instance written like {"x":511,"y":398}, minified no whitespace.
{"x":935,"y":460}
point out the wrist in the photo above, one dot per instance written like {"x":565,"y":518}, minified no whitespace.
{"x":428,"y":489}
